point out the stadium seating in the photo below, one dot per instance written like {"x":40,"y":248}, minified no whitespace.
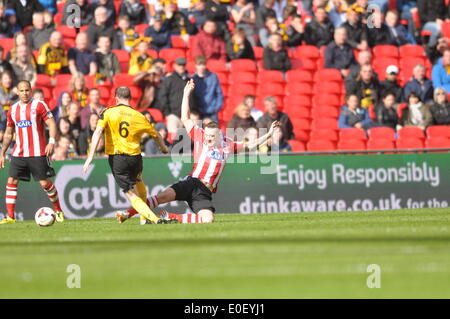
{"x":124,"y":60}
{"x":156,"y":115}
{"x":330,"y":123}
{"x":243,"y":65}
{"x":298,"y":112}
{"x":411,"y":132}
{"x":324,"y":134}
{"x":325,"y":111}
{"x":383,"y":133}
{"x":320,"y":145}
{"x":352,"y":134}
{"x":380,"y":144}
{"x":409,"y":143}
{"x":351,"y":145}
{"x":297,"y":146}
{"x":293,"y":76}
{"x":438,"y":131}
{"x":385,"y":51}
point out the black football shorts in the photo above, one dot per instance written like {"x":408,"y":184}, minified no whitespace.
{"x":38,"y":166}
{"x":195,"y":193}
{"x":126,"y":170}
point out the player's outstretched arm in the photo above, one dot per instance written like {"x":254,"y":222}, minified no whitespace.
{"x":7,"y":138}
{"x":263,"y":139}
{"x":52,"y":136}
{"x":94,"y":142}
{"x":185,"y":108}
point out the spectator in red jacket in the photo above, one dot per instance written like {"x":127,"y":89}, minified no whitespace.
{"x":209,"y":44}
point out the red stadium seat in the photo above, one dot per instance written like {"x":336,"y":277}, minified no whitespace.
{"x":384,"y":133}
{"x":437,"y":142}
{"x":66,"y":31}
{"x":351,"y":145}
{"x":258,"y":52}
{"x":325,"y":111}
{"x":171,"y":54}
{"x":178,"y":42}
{"x":223,"y":77}
{"x":295,"y":100}
{"x":381,"y":64}
{"x":438,"y":131}
{"x":156,"y":115}
{"x":242,"y":89}
{"x":409,"y":143}
{"x":328,"y":75}
{"x":324,"y":134}
{"x":140,"y":28}
{"x":293,"y":76}
{"x":123,"y":79}
{"x":152,"y":53}
{"x":352,"y":134}
{"x":7,"y":44}
{"x":325,"y":122}
{"x":63,"y":79}
{"x":298,"y":112}
{"x":411,"y":132}
{"x":327,"y":100}
{"x":124,"y":60}
{"x":301,"y":124}
{"x":306,"y":51}
{"x":328,"y":88}
{"x":43,"y":80}
{"x":412,"y":50}
{"x":270,"y":76}
{"x":271,"y":88}
{"x":445,"y":29}
{"x":380,"y":144}
{"x":216,"y":66}
{"x":297,"y":146}
{"x":299,"y":88}
{"x":243,"y":65}
{"x":242,"y":77}
{"x":385,"y":51}
{"x":400,"y":109}
{"x":303,"y":64}
{"x":58,"y":17}
{"x":320,"y":145}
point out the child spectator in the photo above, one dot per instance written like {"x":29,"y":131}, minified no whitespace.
{"x":275,"y":56}
{"x":140,"y":61}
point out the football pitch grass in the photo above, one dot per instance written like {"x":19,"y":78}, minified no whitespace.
{"x":314,"y":255}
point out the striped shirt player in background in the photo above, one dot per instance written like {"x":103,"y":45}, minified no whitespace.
{"x":26,"y":120}
{"x":211,"y":150}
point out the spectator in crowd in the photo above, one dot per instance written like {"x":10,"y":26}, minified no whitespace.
{"x":217,"y":12}
{"x":337,"y":10}
{"x":399,"y":35}
{"x":125,"y":34}
{"x":39,"y":33}
{"x":391,"y":85}
{"x":110,"y":10}
{"x":62,"y":104}
{"x":8,"y":23}
{"x":84,"y":140}
{"x":99,"y":27}
{"x":61,"y":152}
{"x":250,"y":138}
{"x":339,"y":54}
{"x":244,"y":16}
{"x":405,"y":8}
{"x":170,"y":95}
{"x":140,"y":60}
{"x":65,"y":140}
{"x":38,"y":94}
{"x":420,"y":84}
{"x":63,"y":128}
{"x":263,"y":12}
{"x":276,"y":144}
{"x":366,"y":87}
{"x":107,"y":61}
{"x":272,"y":114}
{"x":159,"y":34}
{"x":209,"y":44}
{"x":238,"y":47}
{"x":379,"y":33}
{"x":275,"y":56}
{"x":81,"y":59}
{"x":440,"y":74}
{"x":52,"y":59}
{"x":249,"y":100}
{"x":356,"y":31}
{"x":361,"y":7}
{"x":271,"y":26}
{"x":440,"y":108}
{"x":3,"y":121}
{"x":24,"y":66}
{"x":198,"y":12}
{"x":78,"y":89}
{"x":8,"y":93}
{"x":49,"y":5}
{"x":73,"y":116}
{"x":178,"y":23}
{"x":432,"y":14}
{"x":94,"y":106}
{"x":295,"y":32}
{"x":134,"y":10}
{"x":208,"y":92}
{"x":353,"y":115}
{"x":417,"y":113}
{"x":24,"y":10}
{"x":149,"y":83}
{"x":154,"y":7}
{"x":150,"y":146}
{"x":4,"y":64}
{"x":162,"y":65}
{"x":19,"y":39}
{"x":320,"y":30}
{"x":386,"y":112}
{"x":86,"y":13}
{"x":437,"y":51}
{"x":241,"y":119}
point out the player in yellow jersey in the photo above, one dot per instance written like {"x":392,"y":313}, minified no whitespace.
{"x":123,"y":127}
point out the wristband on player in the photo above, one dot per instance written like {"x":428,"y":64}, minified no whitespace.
{"x":51,"y":140}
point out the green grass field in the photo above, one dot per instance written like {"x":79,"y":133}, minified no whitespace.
{"x":317,"y":255}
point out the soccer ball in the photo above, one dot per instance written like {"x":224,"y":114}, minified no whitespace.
{"x":45,"y":216}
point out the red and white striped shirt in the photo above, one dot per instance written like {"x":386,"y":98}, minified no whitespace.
{"x":209,"y":162}
{"x":28,"y":121}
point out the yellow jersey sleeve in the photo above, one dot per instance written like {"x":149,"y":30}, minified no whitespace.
{"x":103,"y":119}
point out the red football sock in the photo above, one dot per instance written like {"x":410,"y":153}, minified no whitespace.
{"x":186,"y":218}
{"x":52,"y":194}
{"x":11,"y":197}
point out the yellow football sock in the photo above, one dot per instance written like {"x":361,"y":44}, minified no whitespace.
{"x":138,"y":204}
{"x":142,"y":190}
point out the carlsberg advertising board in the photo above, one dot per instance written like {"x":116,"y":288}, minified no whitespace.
{"x":258,"y":185}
